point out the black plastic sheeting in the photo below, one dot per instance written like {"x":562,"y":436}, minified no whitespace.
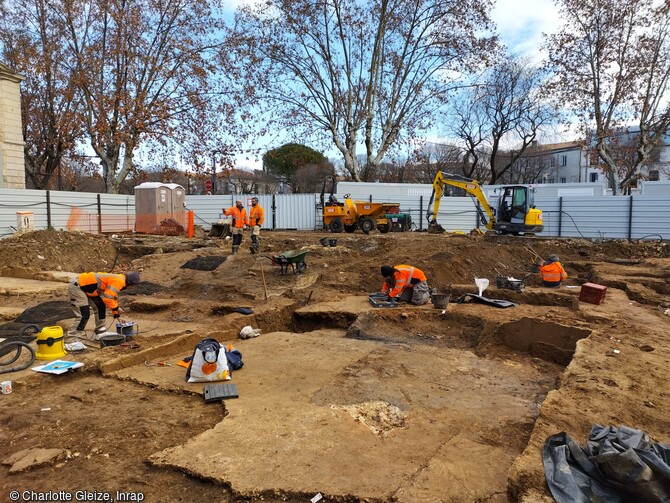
{"x":501,"y":303}
{"x":42,"y":315}
{"x":205,"y":263}
{"x":46,"y":312}
{"x":618,"y":465}
{"x":143,"y":288}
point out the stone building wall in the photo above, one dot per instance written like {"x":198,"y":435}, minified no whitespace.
{"x":12,"y":167}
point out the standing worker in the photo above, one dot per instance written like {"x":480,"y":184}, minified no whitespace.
{"x":406,"y":283}
{"x":97,"y":290}
{"x":552,"y":272}
{"x":240,"y":221}
{"x":256,"y":219}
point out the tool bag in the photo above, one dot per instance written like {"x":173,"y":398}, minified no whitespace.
{"x":208,"y":363}
{"x":234,"y":358}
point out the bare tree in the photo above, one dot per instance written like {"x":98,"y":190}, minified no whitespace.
{"x":507,"y":108}
{"x":433,"y":157}
{"x":145,"y":71}
{"x":33,"y":43}
{"x":309,"y":178}
{"x":612,"y":62}
{"x":361,"y":72}
{"x":533,"y":167}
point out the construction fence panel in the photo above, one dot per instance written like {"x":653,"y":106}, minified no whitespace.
{"x":594,"y":217}
{"x":118,"y":212}
{"x":73,"y":211}
{"x":13,"y":201}
{"x":550,"y":207}
{"x":208,"y":210}
{"x":79,"y":213}
{"x":456,"y":214}
{"x":295,"y":211}
{"x":650,"y":217}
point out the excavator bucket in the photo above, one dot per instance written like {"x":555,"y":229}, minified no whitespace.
{"x":435,"y":228}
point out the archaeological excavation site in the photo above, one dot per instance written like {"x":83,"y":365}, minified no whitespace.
{"x":340,"y":397}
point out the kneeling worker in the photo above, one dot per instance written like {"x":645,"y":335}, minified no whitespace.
{"x":552,"y":272}
{"x":405,"y":283}
{"x":97,"y":290}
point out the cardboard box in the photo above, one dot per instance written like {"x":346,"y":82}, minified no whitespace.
{"x":592,"y":293}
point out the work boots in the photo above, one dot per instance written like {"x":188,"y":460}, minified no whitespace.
{"x":255,"y":245}
{"x":235,"y":248}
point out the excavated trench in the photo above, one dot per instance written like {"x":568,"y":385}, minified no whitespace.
{"x":551,"y":342}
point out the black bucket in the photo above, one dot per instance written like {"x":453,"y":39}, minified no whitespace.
{"x":325,"y":241}
{"x":332,"y":242}
{"x":111,"y":340}
{"x":440,"y":300}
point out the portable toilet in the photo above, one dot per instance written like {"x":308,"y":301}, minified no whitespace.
{"x":178,"y":202}
{"x":153,"y":204}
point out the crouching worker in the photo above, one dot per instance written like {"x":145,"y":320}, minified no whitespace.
{"x":97,"y":291}
{"x":552,"y":272}
{"x":405,"y":283}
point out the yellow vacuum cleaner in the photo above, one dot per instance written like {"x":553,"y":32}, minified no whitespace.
{"x":50,"y":344}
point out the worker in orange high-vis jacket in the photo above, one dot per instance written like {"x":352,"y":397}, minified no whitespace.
{"x":240,"y":222}
{"x":552,"y":272}
{"x":256,"y":219}
{"x":405,"y":283}
{"x":97,"y":290}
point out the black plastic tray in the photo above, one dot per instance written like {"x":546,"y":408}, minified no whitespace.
{"x":381,"y":300}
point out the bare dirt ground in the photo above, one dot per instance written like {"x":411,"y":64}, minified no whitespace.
{"x":359,"y":404}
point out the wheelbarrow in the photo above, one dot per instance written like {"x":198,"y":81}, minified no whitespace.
{"x":12,"y":347}
{"x":293,"y":258}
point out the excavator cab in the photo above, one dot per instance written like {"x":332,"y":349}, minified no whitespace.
{"x":516,"y":212}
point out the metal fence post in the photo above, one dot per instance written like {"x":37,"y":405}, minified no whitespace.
{"x":560,"y":215}
{"x":99,"y":215}
{"x":630,"y":219}
{"x":420,"y":213}
{"x":48,"y":209}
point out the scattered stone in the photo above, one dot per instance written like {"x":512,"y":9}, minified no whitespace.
{"x":33,"y":457}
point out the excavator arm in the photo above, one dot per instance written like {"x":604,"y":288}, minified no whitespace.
{"x":470,"y":186}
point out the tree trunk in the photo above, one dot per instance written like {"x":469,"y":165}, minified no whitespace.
{"x":613,"y":174}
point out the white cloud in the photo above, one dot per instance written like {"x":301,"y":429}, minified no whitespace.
{"x":521,"y":24}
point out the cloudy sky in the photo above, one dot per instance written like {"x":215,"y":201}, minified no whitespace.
{"x":521,"y":23}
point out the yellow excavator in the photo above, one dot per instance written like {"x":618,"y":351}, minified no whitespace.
{"x":516,"y":212}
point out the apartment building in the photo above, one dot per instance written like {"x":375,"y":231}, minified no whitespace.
{"x":570,"y":162}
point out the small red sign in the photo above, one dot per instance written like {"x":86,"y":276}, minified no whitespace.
{"x":208,"y":185}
